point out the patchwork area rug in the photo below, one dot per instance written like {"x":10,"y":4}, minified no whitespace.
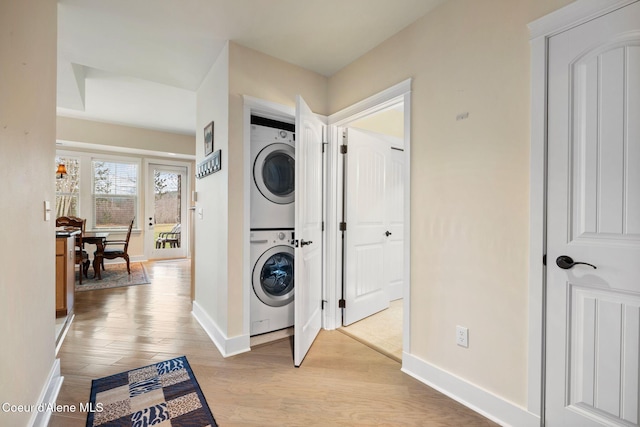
{"x":115,"y":276}
{"x":163,"y":394}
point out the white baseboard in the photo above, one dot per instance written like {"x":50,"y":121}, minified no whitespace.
{"x":226,"y":346}
{"x":48,"y":396}
{"x":65,"y":329}
{"x":479,"y":400}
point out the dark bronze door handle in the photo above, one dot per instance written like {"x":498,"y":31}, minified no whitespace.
{"x":387,"y":233}
{"x":303,"y":243}
{"x":566,"y":262}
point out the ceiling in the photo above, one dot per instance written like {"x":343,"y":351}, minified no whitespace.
{"x":140,"y":62}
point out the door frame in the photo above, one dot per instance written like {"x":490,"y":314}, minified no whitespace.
{"x":400,"y":92}
{"x":186,"y":237}
{"x":540,"y":31}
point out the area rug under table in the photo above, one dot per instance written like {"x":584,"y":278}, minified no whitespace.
{"x":115,"y":276}
{"x":163,"y":394}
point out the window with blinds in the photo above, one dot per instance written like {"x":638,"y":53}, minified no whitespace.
{"x":115,"y":193}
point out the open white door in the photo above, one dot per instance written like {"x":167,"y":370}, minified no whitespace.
{"x":308,"y":230}
{"x":593,"y":310}
{"x":365,"y":289}
{"x":394,"y":246}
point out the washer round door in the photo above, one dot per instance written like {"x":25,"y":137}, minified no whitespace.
{"x":273,"y":276}
{"x":274,"y":173}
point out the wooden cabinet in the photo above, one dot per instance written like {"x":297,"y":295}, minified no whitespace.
{"x":65,"y":274}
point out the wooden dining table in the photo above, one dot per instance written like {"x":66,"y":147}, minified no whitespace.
{"x":96,"y":238}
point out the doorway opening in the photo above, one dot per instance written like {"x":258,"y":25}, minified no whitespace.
{"x":373,"y":244}
{"x":166,"y":211}
{"x":377,"y":131}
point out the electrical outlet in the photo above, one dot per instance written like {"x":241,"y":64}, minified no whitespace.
{"x":462,"y":336}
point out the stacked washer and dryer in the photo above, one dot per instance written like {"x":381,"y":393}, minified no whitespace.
{"x":272,"y":224}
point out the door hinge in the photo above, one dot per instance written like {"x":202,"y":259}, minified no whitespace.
{"x":343,"y":226}
{"x":323,"y":303}
{"x":544,"y":259}
{"x":322,"y":226}
{"x":324,"y":144}
{"x":342,"y":303}
{"x":343,"y":149}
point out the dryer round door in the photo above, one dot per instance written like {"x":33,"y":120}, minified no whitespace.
{"x":274,"y":173}
{"x":273,"y":276}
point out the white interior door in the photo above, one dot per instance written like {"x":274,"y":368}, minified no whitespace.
{"x":374,"y":242}
{"x":593,"y":314}
{"x":394,"y":218}
{"x":166,"y":212}
{"x":365,"y":289}
{"x":308,"y":230}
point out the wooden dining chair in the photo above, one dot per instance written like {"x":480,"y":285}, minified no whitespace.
{"x":118,"y":249}
{"x":81,"y":256}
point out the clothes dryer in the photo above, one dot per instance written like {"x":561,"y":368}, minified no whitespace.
{"x":272,"y":178}
{"x":272,"y":285}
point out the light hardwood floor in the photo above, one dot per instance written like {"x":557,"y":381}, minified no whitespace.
{"x":341,"y":382}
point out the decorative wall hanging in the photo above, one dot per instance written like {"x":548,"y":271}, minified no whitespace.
{"x":209,"y":165}
{"x":208,"y":139}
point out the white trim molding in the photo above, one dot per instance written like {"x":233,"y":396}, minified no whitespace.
{"x":572,"y":15}
{"x":541,"y":30}
{"x":470,"y":395}
{"x":48,"y":396}
{"x":62,"y":144}
{"x":226,"y":346}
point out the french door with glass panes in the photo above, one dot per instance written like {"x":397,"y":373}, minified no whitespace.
{"x":166,"y":211}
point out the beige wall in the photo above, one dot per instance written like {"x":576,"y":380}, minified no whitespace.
{"x":112,"y":135}
{"x":27,"y":147}
{"x":212,"y":273}
{"x":262,"y":76}
{"x":469,"y":180}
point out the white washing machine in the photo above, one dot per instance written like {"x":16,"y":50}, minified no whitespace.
{"x":272,"y":287}
{"x":272,"y":178}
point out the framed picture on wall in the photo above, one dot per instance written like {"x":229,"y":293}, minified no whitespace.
{"x":208,"y":139}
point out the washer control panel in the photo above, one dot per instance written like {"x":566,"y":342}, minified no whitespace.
{"x":278,"y":237}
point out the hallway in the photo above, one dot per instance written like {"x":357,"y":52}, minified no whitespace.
{"x":341,"y":382}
